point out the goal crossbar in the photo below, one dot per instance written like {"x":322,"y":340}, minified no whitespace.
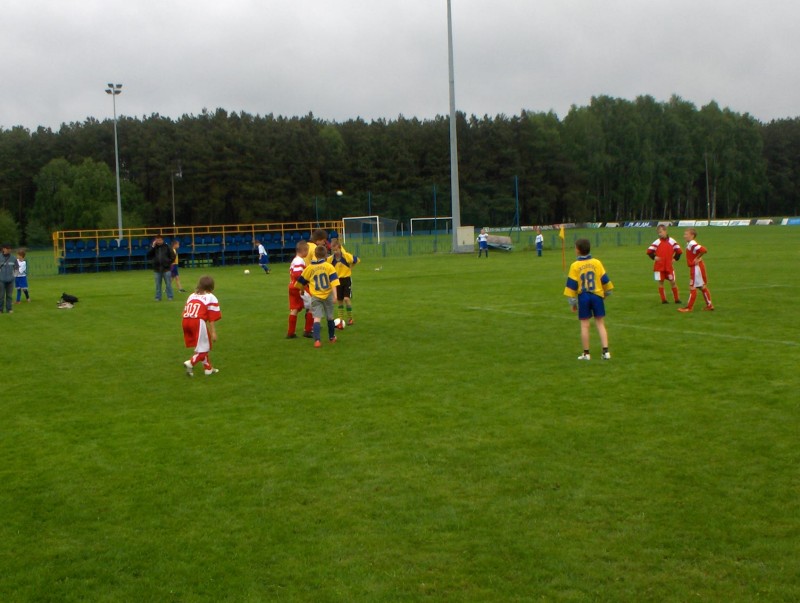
{"x":434,"y":218}
{"x":375,"y":218}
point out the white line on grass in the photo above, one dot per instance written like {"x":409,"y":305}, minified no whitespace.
{"x":648,"y":328}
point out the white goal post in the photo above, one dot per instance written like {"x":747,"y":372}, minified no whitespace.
{"x":431,"y":219}
{"x":359,"y":226}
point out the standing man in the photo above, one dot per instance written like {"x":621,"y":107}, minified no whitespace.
{"x":8,"y":265}
{"x":663,"y":251}
{"x":161,"y":256}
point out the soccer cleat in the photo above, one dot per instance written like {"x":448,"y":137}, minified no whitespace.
{"x":709,"y":307}
{"x":332,"y":339}
{"x":308,"y":334}
{"x":317,"y":344}
{"x":189,"y":369}
{"x":584,"y":357}
{"x":686,"y":309}
{"x":664,"y":301}
{"x":211,"y":371}
{"x":606,"y":356}
{"x":291,"y":336}
{"x":677,"y":301}
{"x":181,"y":290}
{"x":350,"y":322}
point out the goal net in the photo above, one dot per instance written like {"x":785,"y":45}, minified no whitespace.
{"x":368,"y":228}
{"x":437,"y":225}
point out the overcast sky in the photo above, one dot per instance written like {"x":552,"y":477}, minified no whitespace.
{"x":343,"y":59}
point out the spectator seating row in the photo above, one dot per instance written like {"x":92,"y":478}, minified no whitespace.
{"x":93,"y":255}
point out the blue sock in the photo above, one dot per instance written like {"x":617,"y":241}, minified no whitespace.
{"x":317,"y":329}
{"x":331,"y":329}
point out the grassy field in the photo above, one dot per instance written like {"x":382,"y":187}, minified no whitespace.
{"x":449,"y":447}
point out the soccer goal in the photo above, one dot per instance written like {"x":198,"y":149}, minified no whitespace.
{"x":431,"y":225}
{"x":368,"y":228}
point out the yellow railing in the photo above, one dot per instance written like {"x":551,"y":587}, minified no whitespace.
{"x":193,"y":233}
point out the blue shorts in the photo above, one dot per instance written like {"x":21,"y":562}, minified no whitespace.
{"x":590,"y":305}
{"x":21,"y":282}
{"x":173,"y":271}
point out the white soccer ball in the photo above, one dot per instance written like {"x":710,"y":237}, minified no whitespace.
{"x":247,"y":272}
{"x":338,"y":323}
{"x":339,"y":193}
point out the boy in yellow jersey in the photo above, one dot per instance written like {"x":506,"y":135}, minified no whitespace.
{"x":343,"y":262}
{"x":321,"y":279}
{"x":587,"y":286}
{"x":318,"y":237}
{"x":174,"y":271}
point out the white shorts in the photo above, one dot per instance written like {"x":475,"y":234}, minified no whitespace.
{"x":697,"y":276}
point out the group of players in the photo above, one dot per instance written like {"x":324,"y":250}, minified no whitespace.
{"x":664,"y":250}
{"x":588,"y":283}
{"x":320,"y":278}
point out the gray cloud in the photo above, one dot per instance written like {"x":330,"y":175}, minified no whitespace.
{"x":343,"y":59}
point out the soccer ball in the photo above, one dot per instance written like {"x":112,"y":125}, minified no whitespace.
{"x":247,"y":272}
{"x":339,"y":193}
{"x":338,"y":323}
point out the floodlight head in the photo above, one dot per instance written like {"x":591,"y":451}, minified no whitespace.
{"x":110,"y":85}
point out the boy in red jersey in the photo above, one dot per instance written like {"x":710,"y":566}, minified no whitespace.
{"x":295,"y":295}
{"x":697,"y":271}
{"x":663,"y":251}
{"x":199,"y":315}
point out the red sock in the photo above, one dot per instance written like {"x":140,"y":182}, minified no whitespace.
{"x":692,"y":298}
{"x":675,"y":294}
{"x":292,"y":323}
{"x":309,"y":322}
{"x":661,"y":293}
{"x":706,"y":295}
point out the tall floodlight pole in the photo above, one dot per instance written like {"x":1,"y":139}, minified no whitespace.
{"x":114,"y":90}
{"x":456,"y":204}
{"x":173,"y":175}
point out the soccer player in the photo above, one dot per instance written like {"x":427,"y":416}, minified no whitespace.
{"x":21,"y":276}
{"x":263,"y":257}
{"x":664,"y":250}
{"x":483,"y":243}
{"x":321,"y":279}
{"x":539,"y":242}
{"x":697,"y":271}
{"x":174,"y":271}
{"x":587,"y":286}
{"x":295,"y":296}
{"x":343,"y":262}
{"x":200,"y":314}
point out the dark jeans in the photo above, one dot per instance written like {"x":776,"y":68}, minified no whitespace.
{"x":6,"y":295}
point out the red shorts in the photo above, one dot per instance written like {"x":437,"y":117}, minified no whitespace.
{"x":295,"y":301}
{"x":664,"y":275}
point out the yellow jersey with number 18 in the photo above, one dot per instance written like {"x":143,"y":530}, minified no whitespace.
{"x":587,"y":276}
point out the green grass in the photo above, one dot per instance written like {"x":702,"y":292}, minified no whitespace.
{"x":449,"y":447}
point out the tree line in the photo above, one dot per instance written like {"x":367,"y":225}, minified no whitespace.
{"x":612,"y":160}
